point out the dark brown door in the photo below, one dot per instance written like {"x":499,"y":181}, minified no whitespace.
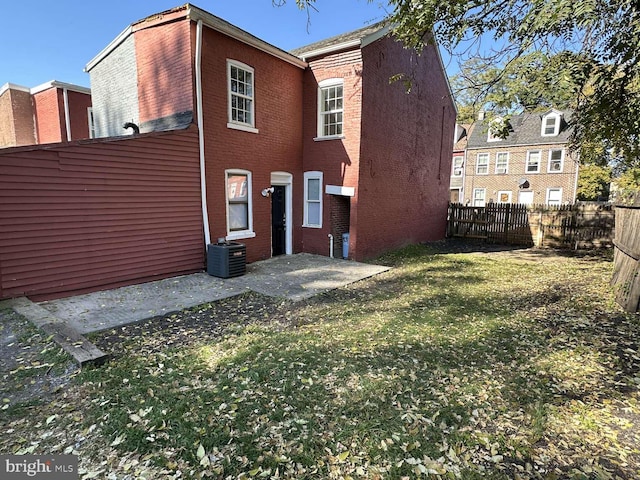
{"x":278,"y":221}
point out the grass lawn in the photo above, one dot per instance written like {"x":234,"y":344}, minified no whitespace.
{"x":450,"y":365}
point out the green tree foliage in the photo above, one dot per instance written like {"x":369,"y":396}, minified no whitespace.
{"x":586,"y":50}
{"x":593,"y":183}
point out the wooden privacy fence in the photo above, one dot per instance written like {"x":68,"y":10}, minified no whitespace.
{"x":563,"y":226}
{"x":626,"y":273}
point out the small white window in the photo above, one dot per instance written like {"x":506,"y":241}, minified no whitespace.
{"x":502,"y":162}
{"x":312,"y":199}
{"x":458,"y":164}
{"x":533,"y":161}
{"x":495,"y":126}
{"x":556,"y":161}
{"x":239,"y":204}
{"x":330,"y":109}
{"x":525,"y":197}
{"x":479,"y":195}
{"x":92,"y":123}
{"x":554,"y":196}
{"x":482,"y":164}
{"x":241,"y":96}
{"x":504,"y":196}
{"x":550,"y":125}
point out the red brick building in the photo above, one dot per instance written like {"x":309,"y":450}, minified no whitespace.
{"x":49,"y":113}
{"x":296,"y":147}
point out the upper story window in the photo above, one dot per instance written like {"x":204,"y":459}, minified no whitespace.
{"x":241,"y":96}
{"x":330,"y":108}
{"x":533,"y":161}
{"x":482,"y":164}
{"x":495,"y":127}
{"x":502,"y":162}
{"x":458,"y":164}
{"x":550,"y":125}
{"x":556,"y":161}
{"x":239,"y":204}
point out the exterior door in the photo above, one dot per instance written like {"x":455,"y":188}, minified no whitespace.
{"x":278,"y":221}
{"x":525,"y":197}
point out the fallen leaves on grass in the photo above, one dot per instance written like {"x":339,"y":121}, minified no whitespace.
{"x":451,"y":365}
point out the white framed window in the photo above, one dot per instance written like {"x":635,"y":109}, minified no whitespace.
{"x":312,"y":200}
{"x":502,"y":162}
{"x":458,"y":166}
{"x":482,"y":164}
{"x":554,"y":196}
{"x":550,"y":125}
{"x":331,"y":108}
{"x":504,"y":196}
{"x":92,"y":123}
{"x":479,"y":195}
{"x":239,"y":204}
{"x":496,"y":125}
{"x":241,"y":104}
{"x":556,"y":161}
{"x":533,"y":161}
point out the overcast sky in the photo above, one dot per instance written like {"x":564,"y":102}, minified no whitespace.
{"x":46,"y":40}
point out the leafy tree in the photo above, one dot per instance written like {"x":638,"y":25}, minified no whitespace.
{"x":593,"y":183}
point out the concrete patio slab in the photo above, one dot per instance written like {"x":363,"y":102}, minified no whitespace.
{"x":295,"y":277}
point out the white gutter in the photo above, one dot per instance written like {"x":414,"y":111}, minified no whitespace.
{"x":203,"y":180}
{"x":67,"y":119}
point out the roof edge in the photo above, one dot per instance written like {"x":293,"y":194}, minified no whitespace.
{"x":57,"y":84}
{"x":13,"y":86}
{"x":216,"y":23}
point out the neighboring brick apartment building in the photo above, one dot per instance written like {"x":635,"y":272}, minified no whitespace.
{"x":49,"y":113}
{"x":297,"y":146}
{"x":532,"y":165}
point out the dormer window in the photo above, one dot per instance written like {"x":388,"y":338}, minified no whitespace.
{"x":495,"y":127}
{"x":550,"y":125}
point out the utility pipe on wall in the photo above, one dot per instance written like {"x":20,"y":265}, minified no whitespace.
{"x":203,"y":180}
{"x":330,"y":246}
{"x":67,"y":120}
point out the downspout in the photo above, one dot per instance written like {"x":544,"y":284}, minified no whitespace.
{"x":67,"y":120}
{"x":203,"y":180}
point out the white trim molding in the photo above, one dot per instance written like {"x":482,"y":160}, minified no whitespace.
{"x":339,"y":190}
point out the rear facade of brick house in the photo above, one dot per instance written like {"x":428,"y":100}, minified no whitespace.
{"x":528,"y":166}
{"x":384,"y":180}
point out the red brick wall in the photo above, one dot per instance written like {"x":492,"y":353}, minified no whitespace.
{"x":16,"y":119}
{"x":277,"y":146}
{"x":406,"y":150}
{"x":78,"y":117}
{"x":164,"y":59}
{"x":337,"y":159}
{"x":49,"y":108}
